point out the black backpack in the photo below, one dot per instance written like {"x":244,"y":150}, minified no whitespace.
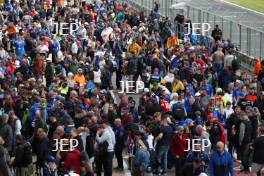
{"x":84,"y":156}
{"x":27,"y":153}
{"x":177,"y":111}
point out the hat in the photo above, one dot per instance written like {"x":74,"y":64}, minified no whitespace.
{"x":239,"y":81}
{"x":51,"y":159}
{"x":188,"y":121}
{"x":219,"y":90}
{"x":197,"y":94}
{"x":146,"y":90}
{"x":70,"y":74}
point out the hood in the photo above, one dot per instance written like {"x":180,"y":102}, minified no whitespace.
{"x":76,"y":152}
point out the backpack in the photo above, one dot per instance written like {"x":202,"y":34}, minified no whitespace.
{"x":27,"y":153}
{"x":84,"y":157}
{"x":177,"y":111}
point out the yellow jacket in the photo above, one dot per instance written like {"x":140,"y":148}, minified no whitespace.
{"x":172,"y":41}
{"x":177,"y":86}
{"x":134,"y":48}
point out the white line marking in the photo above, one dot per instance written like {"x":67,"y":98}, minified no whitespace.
{"x":242,"y":7}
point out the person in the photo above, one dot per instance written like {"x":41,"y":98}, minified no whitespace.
{"x":105,"y":139}
{"x":257,"y":147}
{"x":193,"y":168}
{"x":42,"y":151}
{"x":141,"y":158}
{"x":6,"y":132}
{"x":120,"y":136}
{"x":221,"y":162}
{"x":163,"y":143}
{"x":50,"y":168}
{"x":23,"y":156}
{"x":178,"y":149}
{"x":217,"y":33}
{"x":245,"y":137}
{"x":4,"y":169}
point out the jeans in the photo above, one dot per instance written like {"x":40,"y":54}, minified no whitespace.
{"x":119,"y":157}
{"x":162,"y":153}
{"x":107,"y":162}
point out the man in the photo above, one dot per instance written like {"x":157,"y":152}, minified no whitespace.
{"x":178,"y":149}
{"x":163,"y":143}
{"x":43,"y":150}
{"x":23,"y":156}
{"x":217,"y":33}
{"x":258,"y":156}
{"x":4,"y":169}
{"x":6,"y":132}
{"x":221,"y":162}
{"x":193,"y":168}
{"x":74,"y":135}
{"x":120,"y":143}
{"x":231,"y":124}
{"x":261,"y":78}
{"x":105,"y":138}
{"x":49,"y":71}
{"x":79,"y":78}
{"x":245,"y":137}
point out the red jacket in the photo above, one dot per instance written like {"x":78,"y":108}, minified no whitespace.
{"x":178,"y":145}
{"x":72,"y":160}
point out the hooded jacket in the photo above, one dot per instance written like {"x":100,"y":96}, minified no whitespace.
{"x":72,"y":161}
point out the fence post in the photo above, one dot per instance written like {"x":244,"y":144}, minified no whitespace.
{"x":240,"y":37}
{"x":193,"y":9}
{"x":214,"y":20}
{"x":249,"y":41}
{"x":230,"y":32}
{"x":199,"y":16}
{"x":260,"y":46}
{"x":166,"y":7}
{"x":188,"y":11}
{"x":222,"y":23}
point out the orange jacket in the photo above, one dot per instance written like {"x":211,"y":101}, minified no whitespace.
{"x":79,"y":79}
{"x":257,"y":67}
{"x":172,"y":41}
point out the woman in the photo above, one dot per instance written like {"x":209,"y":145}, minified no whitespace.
{"x":4,"y":157}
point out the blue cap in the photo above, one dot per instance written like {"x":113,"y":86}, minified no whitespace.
{"x":51,"y":159}
{"x":188,"y":121}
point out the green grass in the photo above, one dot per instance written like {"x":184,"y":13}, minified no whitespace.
{"x":257,"y":5}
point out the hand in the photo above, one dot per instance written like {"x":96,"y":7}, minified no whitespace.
{"x":177,"y":156}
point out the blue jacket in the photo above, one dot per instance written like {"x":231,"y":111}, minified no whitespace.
{"x":141,"y":158}
{"x":221,"y":165}
{"x":203,"y":155}
{"x":20,"y":47}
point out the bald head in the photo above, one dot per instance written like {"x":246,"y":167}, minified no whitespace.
{"x":220,"y":146}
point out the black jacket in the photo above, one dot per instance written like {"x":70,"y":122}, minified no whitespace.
{"x":248,"y":132}
{"x":258,"y":146}
{"x":19,"y":154}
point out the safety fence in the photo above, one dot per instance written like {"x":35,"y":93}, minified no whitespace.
{"x":248,"y":41}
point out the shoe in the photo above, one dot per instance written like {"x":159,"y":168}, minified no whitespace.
{"x":164,"y":173}
{"x":119,"y":168}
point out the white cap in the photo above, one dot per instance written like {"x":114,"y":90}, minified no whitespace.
{"x":146,"y":90}
{"x":174,"y":94}
{"x":197,"y":94}
{"x":70,"y":74}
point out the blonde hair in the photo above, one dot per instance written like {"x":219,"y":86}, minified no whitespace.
{"x":2,"y":141}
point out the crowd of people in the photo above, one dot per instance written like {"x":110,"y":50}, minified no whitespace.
{"x":62,"y":111}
